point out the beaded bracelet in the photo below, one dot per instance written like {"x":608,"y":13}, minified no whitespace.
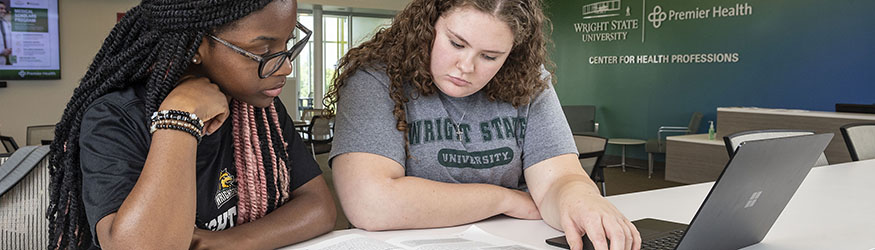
{"x":177,"y":123}
{"x":179,"y":116}
{"x":194,"y":133}
{"x":177,"y":120}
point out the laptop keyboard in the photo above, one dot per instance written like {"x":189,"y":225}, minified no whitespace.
{"x":670,"y":241}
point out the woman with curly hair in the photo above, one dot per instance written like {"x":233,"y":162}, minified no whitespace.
{"x":448,"y":117}
{"x":176,"y":139}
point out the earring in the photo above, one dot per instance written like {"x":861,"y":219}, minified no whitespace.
{"x":195,"y":60}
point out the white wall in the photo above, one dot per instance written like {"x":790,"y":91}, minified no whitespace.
{"x":84,"y":25}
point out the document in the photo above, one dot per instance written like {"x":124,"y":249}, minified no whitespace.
{"x":473,"y":238}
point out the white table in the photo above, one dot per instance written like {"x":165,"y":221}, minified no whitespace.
{"x":834,"y":208}
{"x":623,"y":142}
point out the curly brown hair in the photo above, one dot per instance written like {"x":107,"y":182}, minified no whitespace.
{"x":404,"y":50}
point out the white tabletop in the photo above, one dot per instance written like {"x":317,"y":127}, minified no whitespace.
{"x":834,"y":208}
{"x":625,"y":141}
{"x":696,"y":138}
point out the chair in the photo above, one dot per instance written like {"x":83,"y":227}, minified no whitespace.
{"x":581,"y":119}
{"x":9,"y":144}
{"x":24,"y":181}
{"x":36,"y":134}
{"x":592,"y":149}
{"x":308,"y":114}
{"x":860,"y":139}
{"x":732,"y":141}
{"x":319,"y":134}
{"x":657,"y":145}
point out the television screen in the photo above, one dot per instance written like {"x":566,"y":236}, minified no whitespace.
{"x":29,"y":38}
{"x":855,"y":108}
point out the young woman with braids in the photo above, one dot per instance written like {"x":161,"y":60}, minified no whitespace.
{"x":218,"y":165}
{"x":448,"y":117}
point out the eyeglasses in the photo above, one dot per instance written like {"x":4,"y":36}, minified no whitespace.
{"x":269,"y":64}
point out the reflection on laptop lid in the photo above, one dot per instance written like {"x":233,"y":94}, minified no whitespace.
{"x":747,"y":198}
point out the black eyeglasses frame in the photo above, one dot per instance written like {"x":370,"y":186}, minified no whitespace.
{"x":289,"y":54}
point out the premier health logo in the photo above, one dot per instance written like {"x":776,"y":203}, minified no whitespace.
{"x":657,"y":17}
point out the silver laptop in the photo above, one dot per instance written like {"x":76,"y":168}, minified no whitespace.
{"x":747,"y":198}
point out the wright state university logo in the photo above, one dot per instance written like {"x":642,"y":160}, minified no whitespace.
{"x":227,"y":188}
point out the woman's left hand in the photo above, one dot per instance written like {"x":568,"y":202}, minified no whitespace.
{"x":569,"y":201}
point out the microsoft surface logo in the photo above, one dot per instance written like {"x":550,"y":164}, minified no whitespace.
{"x":753,"y":199}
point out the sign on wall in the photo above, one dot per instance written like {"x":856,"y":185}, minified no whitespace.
{"x":651,"y":63}
{"x":613,"y":21}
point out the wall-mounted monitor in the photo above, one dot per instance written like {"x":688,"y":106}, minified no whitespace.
{"x":29,"y":47}
{"x":855,"y":108}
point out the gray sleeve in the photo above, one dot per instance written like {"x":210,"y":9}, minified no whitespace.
{"x":547,"y":134}
{"x":364,"y":121}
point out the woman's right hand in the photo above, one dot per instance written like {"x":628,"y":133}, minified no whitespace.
{"x":201,"y":97}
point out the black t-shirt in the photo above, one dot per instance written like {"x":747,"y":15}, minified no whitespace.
{"x":114,"y":141}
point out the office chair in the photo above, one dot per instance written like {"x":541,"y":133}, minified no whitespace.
{"x":24,"y":179}
{"x":591,"y":149}
{"x":581,"y":119}
{"x":308,"y":114}
{"x":36,"y":134}
{"x":657,"y":145}
{"x":860,"y":139}
{"x":732,"y":141}
{"x":320,"y":134}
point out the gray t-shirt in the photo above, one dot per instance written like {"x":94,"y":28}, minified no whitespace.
{"x":493,"y":142}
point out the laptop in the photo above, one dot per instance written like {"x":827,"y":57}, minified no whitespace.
{"x":747,"y":198}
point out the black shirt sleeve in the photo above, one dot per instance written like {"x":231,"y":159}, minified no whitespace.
{"x":113,"y":144}
{"x":301,"y":164}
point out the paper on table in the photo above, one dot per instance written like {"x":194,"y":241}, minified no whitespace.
{"x":473,"y":238}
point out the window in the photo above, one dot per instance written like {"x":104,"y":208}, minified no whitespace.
{"x":364,"y":28}
{"x":304,"y":69}
{"x":336,"y":44}
{"x":336,"y":33}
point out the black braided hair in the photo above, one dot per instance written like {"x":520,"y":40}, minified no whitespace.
{"x":152,"y":45}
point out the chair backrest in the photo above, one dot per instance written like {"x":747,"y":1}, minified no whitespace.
{"x":25,"y":179}
{"x":36,"y":134}
{"x":591,"y":149}
{"x":320,"y":128}
{"x":581,"y":118}
{"x":8,"y":144}
{"x":695,"y":121}
{"x":308,"y":114}
{"x":664,"y":131}
{"x":860,"y":139}
{"x":732,"y":141}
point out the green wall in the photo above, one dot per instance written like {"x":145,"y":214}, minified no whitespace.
{"x":802,"y":54}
